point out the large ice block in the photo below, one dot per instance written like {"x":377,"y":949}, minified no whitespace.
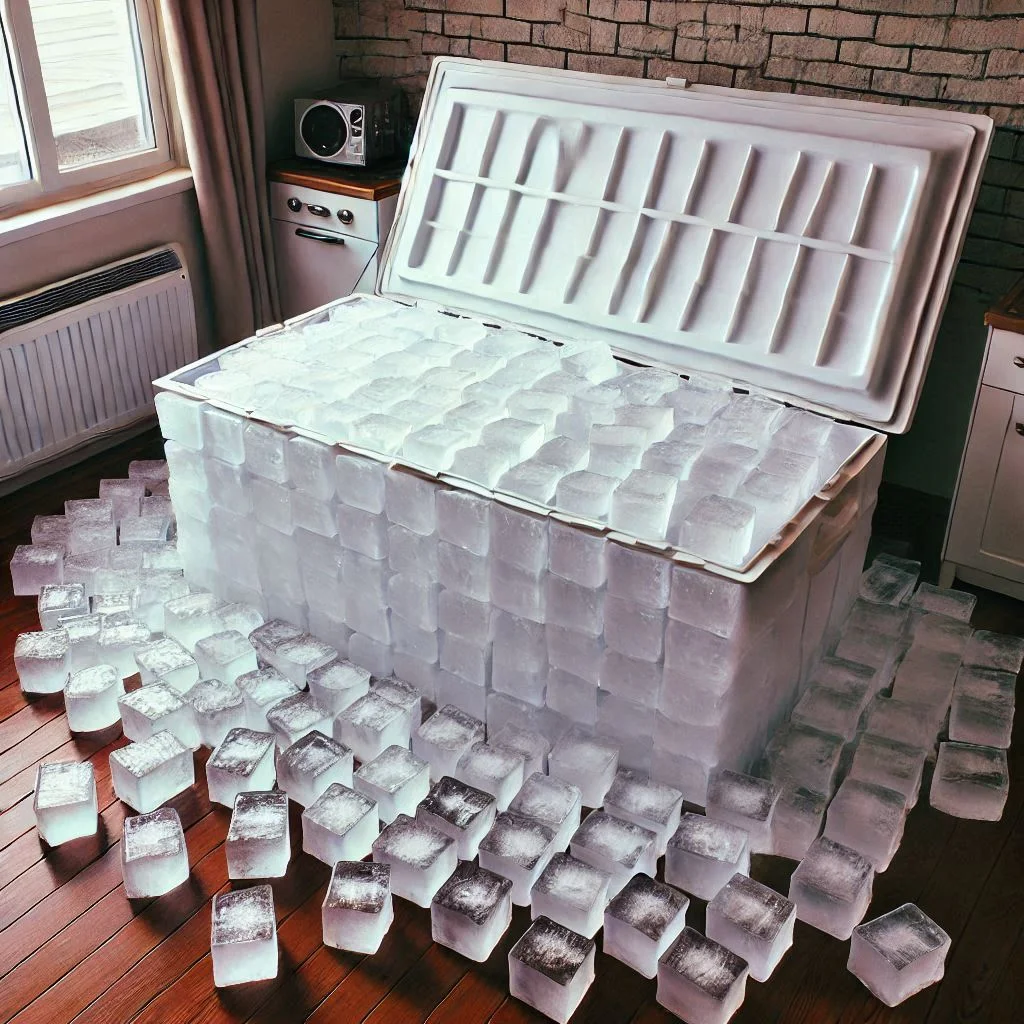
{"x":64,"y":801}
{"x":243,"y":936}
{"x":242,"y":763}
{"x":340,"y":824}
{"x":642,"y":922}
{"x":357,"y":909}
{"x":471,"y":911}
{"x":154,"y":858}
{"x":258,"y":843}
{"x":396,"y":780}
{"x":421,"y":858}
{"x":831,"y":887}
{"x":970,"y":781}
{"x":700,"y":981}
{"x":90,"y":698}
{"x":550,"y":968}
{"x":149,"y":772}
{"x":704,"y":854}
{"x":998,"y":651}
{"x":310,"y":765}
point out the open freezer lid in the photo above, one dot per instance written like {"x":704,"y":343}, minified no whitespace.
{"x":801,"y":247}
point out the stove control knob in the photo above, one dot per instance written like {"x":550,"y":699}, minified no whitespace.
{"x":345,"y":216}
{"x":294,"y":204}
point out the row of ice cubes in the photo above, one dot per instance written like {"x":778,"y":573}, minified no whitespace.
{"x":565,"y":426}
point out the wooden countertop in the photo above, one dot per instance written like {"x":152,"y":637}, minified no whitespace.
{"x":1008,"y":313}
{"x":372,"y":183}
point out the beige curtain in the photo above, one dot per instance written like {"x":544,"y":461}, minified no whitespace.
{"x":214,"y":55}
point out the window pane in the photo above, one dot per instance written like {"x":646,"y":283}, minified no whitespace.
{"x":94,"y":79}
{"x":14,"y":165}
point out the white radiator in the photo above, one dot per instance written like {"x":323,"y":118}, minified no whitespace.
{"x":77,"y":358}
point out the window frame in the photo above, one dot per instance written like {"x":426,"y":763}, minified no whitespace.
{"x":48,"y":184}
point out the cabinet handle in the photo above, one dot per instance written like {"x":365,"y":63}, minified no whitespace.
{"x":1018,"y":361}
{"x":1019,"y":427}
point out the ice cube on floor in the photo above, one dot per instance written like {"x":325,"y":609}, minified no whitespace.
{"x":887,"y":584}
{"x":297,"y":657}
{"x":148,"y":773}
{"x":64,"y":801}
{"x":338,"y":684}
{"x":701,"y":981}
{"x":970,"y":781}
{"x":154,"y":858}
{"x":61,"y":599}
{"x":982,"y":707}
{"x":357,"y":909}
{"x":941,"y":634}
{"x":898,"y":954}
{"x":471,"y":911}
{"x":261,"y":690}
{"x":166,"y":661}
{"x":587,"y":762}
{"x":242,"y":763}
{"x":799,"y":815}
{"x":828,"y":711}
{"x":753,"y":921}
{"x":867,"y":818}
{"x":340,"y":824}
{"x":995,"y":651}
{"x":190,"y":618}
{"x":83,"y":634}
{"x":310,"y":765}
{"x":258,"y":843}
{"x":421,"y":858}
{"x":571,"y":892}
{"x":926,"y":676}
{"x":744,"y":801}
{"x":642,"y":922}
{"x":90,"y":698}
{"x":617,"y":847}
{"x":50,"y":531}
{"x":269,"y":638}
{"x":719,"y":529}
{"x":887,"y":763}
{"x":403,"y":694}
{"x":831,"y":887}
{"x":797,"y":756}
{"x":495,"y":770}
{"x":444,"y":737}
{"x":372,"y":724}
{"x":460,"y":811}
{"x":634,"y":796}
{"x":42,"y":660}
{"x":904,"y":721}
{"x":553,"y":802}
{"x":957,"y":604}
{"x":396,"y":780}
{"x":226,"y":656}
{"x":243,"y":936}
{"x":704,"y":854}
{"x":296,"y":716}
{"x":218,"y":708}
{"x":518,"y":848}
{"x":158,"y":708}
{"x":34,"y":566}
{"x":550,"y":968}
{"x":530,"y":743}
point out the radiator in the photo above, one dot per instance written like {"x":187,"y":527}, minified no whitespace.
{"x":77,"y":358}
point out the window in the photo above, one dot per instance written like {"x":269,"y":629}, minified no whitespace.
{"x":81,"y":103}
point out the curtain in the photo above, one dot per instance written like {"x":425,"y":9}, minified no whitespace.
{"x":213,"y":49}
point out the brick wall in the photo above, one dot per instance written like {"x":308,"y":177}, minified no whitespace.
{"x":961,"y":54}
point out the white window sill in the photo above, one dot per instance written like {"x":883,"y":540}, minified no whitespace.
{"x":73,"y":211}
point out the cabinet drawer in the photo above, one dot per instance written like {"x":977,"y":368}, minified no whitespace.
{"x":363,"y":223}
{"x":1000,"y":369}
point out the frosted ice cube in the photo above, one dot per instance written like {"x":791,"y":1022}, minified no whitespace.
{"x":372,"y":724}
{"x":464,"y":617}
{"x":904,"y":721}
{"x":941,"y":634}
{"x":460,"y":811}
{"x":656,"y":421}
{"x":798,"y":756}
{"x":797,"y":821}
{"x":495,"y":770}
{"x":517,"y":591}
{"x":338,"y":684}
{"x":340,"y":824}
{"x":444,"y":737}
{"x":831,"y":887}
{"x":642,"y":922}
{"x":551,"y":968}
{"x":379,"y":432}
{"x":530,"y":743}
{"x":360,"y":482}
{"x":887,"y":584}
{"x":571,"y":892}
{"x":482,"y":464}
{"x":635,"y":797}
{"x":553,"y":802}
{"x":704,"y":854}
{"x":774,"y":497}
{"x":312,"y":764}
{"x":89,"y":510}
{"x":618,"y":847}
{"x":243,"y":936}
{"x":887,"y":763}
{"x":148,"y":773}
{"x":80,"y":569}
{"x":983,"y":706}
{"x":90,"y":698}
{"x":673,"y":458}
{"x":296,"y":716}
{"x":414,"y":598}
{"x":744,"y":801}
{"x":828,"y":711}
{"x":190,"y":618}
{"x":396,"y":780}
{"x":587,"y":762}
{"x":57,"y":600}
{"x":143,"y":531}
{"x":357,"y":909}
{"x":995,"y":651}
{"x":243,"y":762}
{"x":868,"y":818}
{"x":719,"y":529}
{"x":268,"y":638}
{"x":261,"y":690}
{"x":226,"y":655}
{"x":154,"y":858}
{"x":801,"y":470}
{"x":412,"y":553}
{"x":83,"y":633}
{"x":42,"y":660}
{"x":519,"y":538}
{"x":586,"y":493}
{"x":803,"y":432}
{"x":239,"y":616}
{"x":957,"y":604}
{"x":299,"y":656}
{"x":519,"y":849}
{"x":898,"y":954}
{"x":50,"y":531}
{"x":642,"y":504}
{"x":64,"y":801}
{"x":34,"y":566}
{"x":858,"y":682}
{"x":576,"y":554}
{"x":464,"y":520}
{"x":471,"y":911}
{"x":634,"y":630}
{"x":371,"y":654}
{"x":218,"y":708}
{"x":970,"y":781}
{"x":421,"y":858}
{"x":433,"y":447}
{"x":516,"y":438}
{"x":533,"y":480}
{"x":149,"y":471}
{"x":616,"y":450}
{"x":158,"y":708}
{"x":409,"y":502}
{"x":926,"y":676}
{"x":701,"y":981}
{"x":258,"y":843}
{"x":222,"y":435}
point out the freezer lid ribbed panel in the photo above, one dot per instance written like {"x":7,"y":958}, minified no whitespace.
{"x":802,"y":249}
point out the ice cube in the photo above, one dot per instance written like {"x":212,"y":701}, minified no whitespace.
{"x":372,"y":724}
{"x":261,"y":690}
{"x":998,"y":651}
{"x":704,"y":854}
{"x":409,"y":502}
{"x":867,"y":818}
{"x":587,"y":762}
{"x":552,"y":802}
{"x":616,"y":450}
{"x":829,"y":711}
{"x":340,"y":824}
{"x":243,"y":936}
{"x":50,"y":531}
{"x":190,"y":618}
{"x":970,"y":781}
{"x":701,"y":981}
{"x":517,"y":437}
{"x":222,"y":435}
{"x":471,"y":911}
{"x":297,"y":657}
{"x":530,"y":743}
{"x":81,"y":569}
{"x":482,"y":464}
{"x":518,"y":591}
{"x":58,"y":600}
{"x":465,"y":658}
{"x":357,"y":909}
{"x":586,"y":493}
{"x":412,"y":553}
{"x":419,"y":673}
{"x":90,"y":698}
{"x":519,"y":538}
{"x":310,"y":765}
{"x":158,"y":708}
{"x":518,"y":848}
{"x":396,"y":780}
{"x":635,"y":797}
{"x":414,"y":599}
{"x":296,"y":716}
{"x":797,"y":756}
{"x":550,"y":968}
{"x":983,"y":706}
{"x":218,"y":708}
{"x":460,"y":811}
{"x":618,"y":847}
{"x":421,"y":858}
{"x":744,"y":801}
{"x":495,"y":770}
{"x":858,"y":682}
{"x":940,"y":633}
{"x":154,"y":858}
{"x":464,"y":520}
{"x":642,"y":922}
{"x":87,"y":536}
{"x":226,"y":655}
{"x":268,"y":638}
{"x":904,"y":721}
{"x":143,"y":531}
{"x":831,"y":887}
{"x":89,"y":510}
{"x":926,"y":676}
{"x":887,"y":584}
{"x":242,"y":763}
{"x":797,"y":821}
{"x":719,"y":529}
{"x":885,"y":762}
{"x":149,"y":471}
{"x":642,"y":504}
{"x":42,"y":660}
{"x":34,"y":566}
{"x":371,"y":654}
{"x":148,"y":773}
{"x":444,"y":737}
{"x":258,"y":843}
{"x":64,"y":801}
{"x":634,"y":630}
{"x":338,"y":684}
{"x":957,"y":604}
{"x":571,"y":892}
{"x":898,"y":954}
{"x":576,"y":554}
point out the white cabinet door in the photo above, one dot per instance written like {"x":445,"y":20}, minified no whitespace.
{"x":1003,"y":535}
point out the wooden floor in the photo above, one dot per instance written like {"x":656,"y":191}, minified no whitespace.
{"x":72,"y":947}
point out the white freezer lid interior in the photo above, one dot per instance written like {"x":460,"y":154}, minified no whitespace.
{"x":803,"y":249}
